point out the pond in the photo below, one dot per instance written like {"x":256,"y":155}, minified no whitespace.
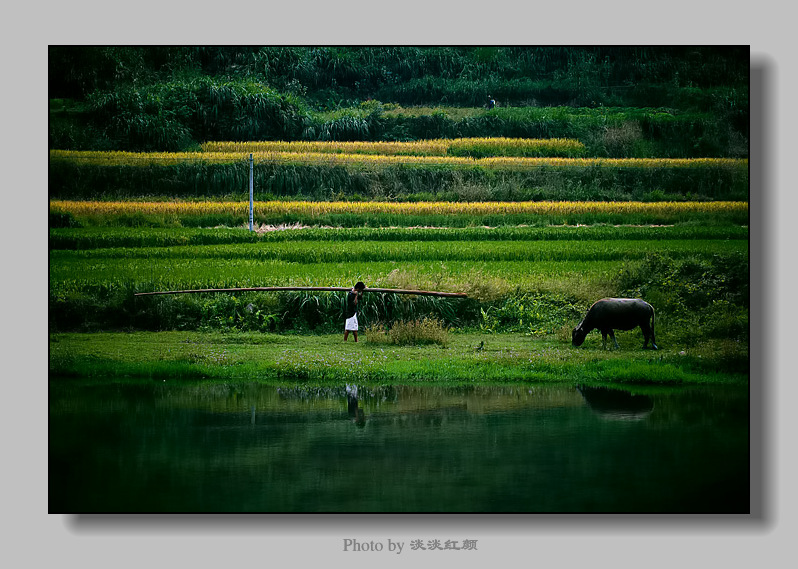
{"x":154,"y":446}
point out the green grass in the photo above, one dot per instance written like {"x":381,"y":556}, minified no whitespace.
{"x":528,"y":287}
{"x":522,"y":279}
{"x":365,"y":251}
{"x":390,"y":220}
{"x":325,"y":359}
{"x":105,"y":237}
{"x":229,"y":262}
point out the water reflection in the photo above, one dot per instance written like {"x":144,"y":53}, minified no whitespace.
{"x":179,"y":447}
{"x":355,"y":412}
{"x":616,"y":405}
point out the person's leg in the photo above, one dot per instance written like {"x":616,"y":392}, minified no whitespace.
{"x":352,"y":325}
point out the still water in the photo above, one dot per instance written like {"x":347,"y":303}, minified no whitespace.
{"x":180,"y":447}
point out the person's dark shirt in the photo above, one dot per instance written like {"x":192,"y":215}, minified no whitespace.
{"x":351,"y":305}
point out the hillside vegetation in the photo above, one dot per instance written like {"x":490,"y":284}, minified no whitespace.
{"x":618,"y":101}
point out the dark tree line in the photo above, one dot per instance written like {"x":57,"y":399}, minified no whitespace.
{"x":365,"y":72}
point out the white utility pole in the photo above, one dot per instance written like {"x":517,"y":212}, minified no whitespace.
{"x":251,"y":191}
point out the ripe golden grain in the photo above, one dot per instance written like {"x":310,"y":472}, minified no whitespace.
{"x":311,"y":208}
{"x":143,"y":159}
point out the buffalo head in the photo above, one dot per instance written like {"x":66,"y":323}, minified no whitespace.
{"x":578,"y":336}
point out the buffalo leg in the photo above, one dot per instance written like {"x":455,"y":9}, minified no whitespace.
{"x":614,"y":341}
{"x":649,"y":333}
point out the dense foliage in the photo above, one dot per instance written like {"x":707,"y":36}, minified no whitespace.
{"x":411,"y":75}
{"x":174,"y":98}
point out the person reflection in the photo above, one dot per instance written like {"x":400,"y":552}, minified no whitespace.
{"x":616,"y":405}
{"x":355,"y":412}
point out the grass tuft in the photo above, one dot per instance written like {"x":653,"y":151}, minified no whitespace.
{"x":410,"y":333}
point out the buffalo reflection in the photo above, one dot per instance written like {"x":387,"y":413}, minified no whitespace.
{"x":616,"y":405}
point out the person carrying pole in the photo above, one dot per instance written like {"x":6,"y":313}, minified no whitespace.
{"x":352,"y":299}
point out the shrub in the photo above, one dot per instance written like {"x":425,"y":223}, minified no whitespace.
{"x":694,"y":298}
{"x":533,"y":314}
{"x":410,"y":333}
{"x":62,"y":219}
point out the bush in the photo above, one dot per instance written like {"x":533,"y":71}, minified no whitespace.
{"x":533,"y":314}
{"x":62,"y":219}
{"x":694,"y":299}
{"x":410,"y":333}
{"x":691,"y":284}
{"x":176,"y":115}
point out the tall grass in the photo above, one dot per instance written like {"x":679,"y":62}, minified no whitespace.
{"x":326,"y":176}
{"x":488,"y":157}
{"x":413,"y":333}
{"x":696,"y":296}
{"x":364,"y":251}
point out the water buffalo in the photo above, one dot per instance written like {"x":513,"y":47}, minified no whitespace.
{"x":609,"y":314}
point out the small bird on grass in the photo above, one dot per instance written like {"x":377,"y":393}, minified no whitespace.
{"x":480,"y":347}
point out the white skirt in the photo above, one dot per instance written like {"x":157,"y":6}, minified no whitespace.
{"x":351,"y":324}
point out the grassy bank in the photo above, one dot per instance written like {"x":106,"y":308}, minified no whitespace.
{"x":468,"y":358}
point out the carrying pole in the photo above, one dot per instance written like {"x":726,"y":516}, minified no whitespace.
{"x":309,"y":288}
{"x":251,"y":193}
